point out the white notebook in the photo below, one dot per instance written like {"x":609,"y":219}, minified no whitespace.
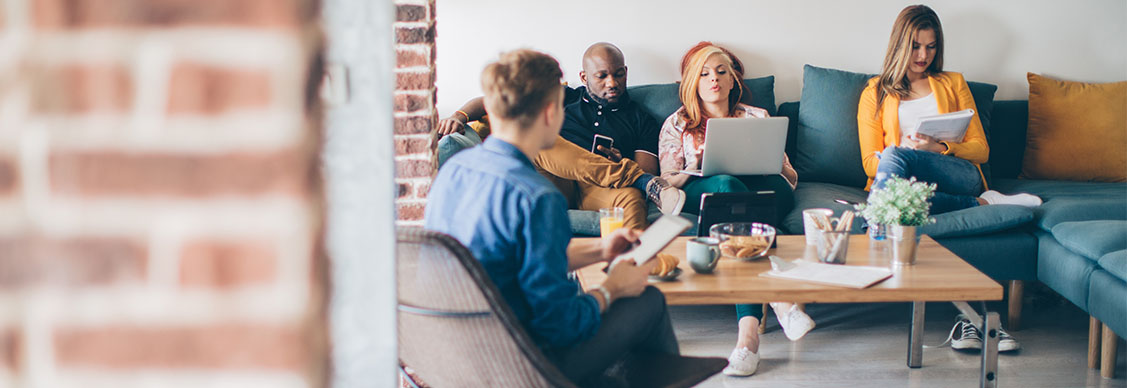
{"x":950,"y":127}
{"x":851,"y":276}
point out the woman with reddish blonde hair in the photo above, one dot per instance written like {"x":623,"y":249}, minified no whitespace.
{"x":711,"y":87}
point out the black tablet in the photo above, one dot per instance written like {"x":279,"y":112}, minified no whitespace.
{"x":757,"y":206}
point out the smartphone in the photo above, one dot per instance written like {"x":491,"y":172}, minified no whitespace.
{"x":600,"y":140}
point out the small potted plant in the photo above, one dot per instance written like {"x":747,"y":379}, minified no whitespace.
{"x":902,"y":206}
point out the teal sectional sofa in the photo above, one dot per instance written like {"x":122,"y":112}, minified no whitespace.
{"x":1075,"y":243}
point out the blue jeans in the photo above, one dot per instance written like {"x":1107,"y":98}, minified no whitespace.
{"x":456,"y":142}
{"x":958,"y":182}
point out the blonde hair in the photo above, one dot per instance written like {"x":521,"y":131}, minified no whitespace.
{"x":894,"y":71}
{"x":690,"y":81}
{"x":519,"y":84}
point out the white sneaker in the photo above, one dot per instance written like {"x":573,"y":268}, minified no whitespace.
{"x":742,"y":362}
{"x":794,"y":321}
{"x":995,"y":198}
{"x":1006,"y":343}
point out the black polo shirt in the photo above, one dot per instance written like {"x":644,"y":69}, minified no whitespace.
{"x":631,"y":128}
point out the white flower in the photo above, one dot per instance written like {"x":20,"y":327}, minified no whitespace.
{"x":899,"y":202}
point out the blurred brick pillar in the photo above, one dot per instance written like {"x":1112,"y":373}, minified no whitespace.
{"x":415,"y":114}
{"x":160,"y":196}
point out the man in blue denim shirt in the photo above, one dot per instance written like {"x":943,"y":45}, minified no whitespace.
{"x":516,"y":225}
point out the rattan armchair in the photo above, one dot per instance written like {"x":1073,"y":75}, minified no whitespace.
{"x":455,"y":329}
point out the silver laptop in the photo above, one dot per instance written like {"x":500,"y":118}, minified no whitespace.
{"x":743,"y":146}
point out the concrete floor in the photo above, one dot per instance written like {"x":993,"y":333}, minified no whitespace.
{"x":865,"y":345}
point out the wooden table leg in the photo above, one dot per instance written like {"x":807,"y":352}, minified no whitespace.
{"x":1094,"y":327}
{"x":1107,"y":353}
{"x":1017,"y":292}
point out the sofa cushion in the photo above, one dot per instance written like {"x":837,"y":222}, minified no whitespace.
{"x":1115,"y":263}
{"x":661,"y":100}
{"x":1092,"y":239}
{"x":1007,"y":138}
{"x":978,"y":220}
{"x":1006,"y":255}
{"x":1106,"y":294}
{"x":1066,"y":201}
{"x":983,"y":95}
{"x":825,"y":147}
{"x":809,"y":195}
{"x":1064,"y":271}
{"x":1077,"y":131}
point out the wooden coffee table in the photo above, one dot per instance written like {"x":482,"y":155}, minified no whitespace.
{"x":938,"y":275}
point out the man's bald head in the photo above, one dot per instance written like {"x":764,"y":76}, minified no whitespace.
{"x":604,"y":71}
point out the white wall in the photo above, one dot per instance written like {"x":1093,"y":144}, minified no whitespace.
{"x":988,"y":41}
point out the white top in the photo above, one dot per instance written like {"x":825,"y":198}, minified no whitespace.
{"x":911,"y":111}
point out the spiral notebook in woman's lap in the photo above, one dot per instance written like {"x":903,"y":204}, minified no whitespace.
{"x":951,"y":127}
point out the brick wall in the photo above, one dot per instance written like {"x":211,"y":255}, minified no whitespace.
{"x":415,"y":114}
{"x":160,"y":196}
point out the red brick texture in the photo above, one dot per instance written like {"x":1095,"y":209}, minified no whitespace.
{"x":212,"y":347}
{"x":200,"y":89}
{"x":138,"y":236}
{"x":415,"y":112}
{"x":410,"y":35}
{"x":227,"y":264}
{"x":410,"y":13}
{"x":9,"y":349}
{"x":160,"y":174}
{"x":413,"y":125}
{"x":84,"y":88}
{"x":70,"y":14}
{"x":412,"y":58}
{"x":72,"y":262}
{"x":9,"y":175}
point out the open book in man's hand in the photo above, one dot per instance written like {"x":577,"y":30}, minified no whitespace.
{"x":949,"y":127}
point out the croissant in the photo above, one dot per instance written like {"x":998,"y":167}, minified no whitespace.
{"x":666,"y":263}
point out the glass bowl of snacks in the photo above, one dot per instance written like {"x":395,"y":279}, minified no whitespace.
{"x":743,"y":240}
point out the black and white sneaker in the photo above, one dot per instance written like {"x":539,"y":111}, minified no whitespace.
{"x":1006,"y":343}
{"x":965,"y":336}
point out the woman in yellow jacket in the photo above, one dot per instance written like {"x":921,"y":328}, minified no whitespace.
{"x":911,"y":85}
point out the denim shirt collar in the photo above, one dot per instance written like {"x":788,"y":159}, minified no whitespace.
{"x":495,"y":145}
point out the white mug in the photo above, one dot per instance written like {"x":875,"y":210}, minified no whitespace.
{"x":808,"y":225}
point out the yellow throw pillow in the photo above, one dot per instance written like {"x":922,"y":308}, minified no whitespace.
{"x":1077,"y":131}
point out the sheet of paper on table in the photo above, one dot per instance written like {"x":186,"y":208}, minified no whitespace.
{"x":851,"y":276}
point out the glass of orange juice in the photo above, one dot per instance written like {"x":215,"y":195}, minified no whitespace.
{"x":610,"y":219}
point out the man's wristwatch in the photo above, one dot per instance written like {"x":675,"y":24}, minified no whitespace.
{"x":606,"y":296}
